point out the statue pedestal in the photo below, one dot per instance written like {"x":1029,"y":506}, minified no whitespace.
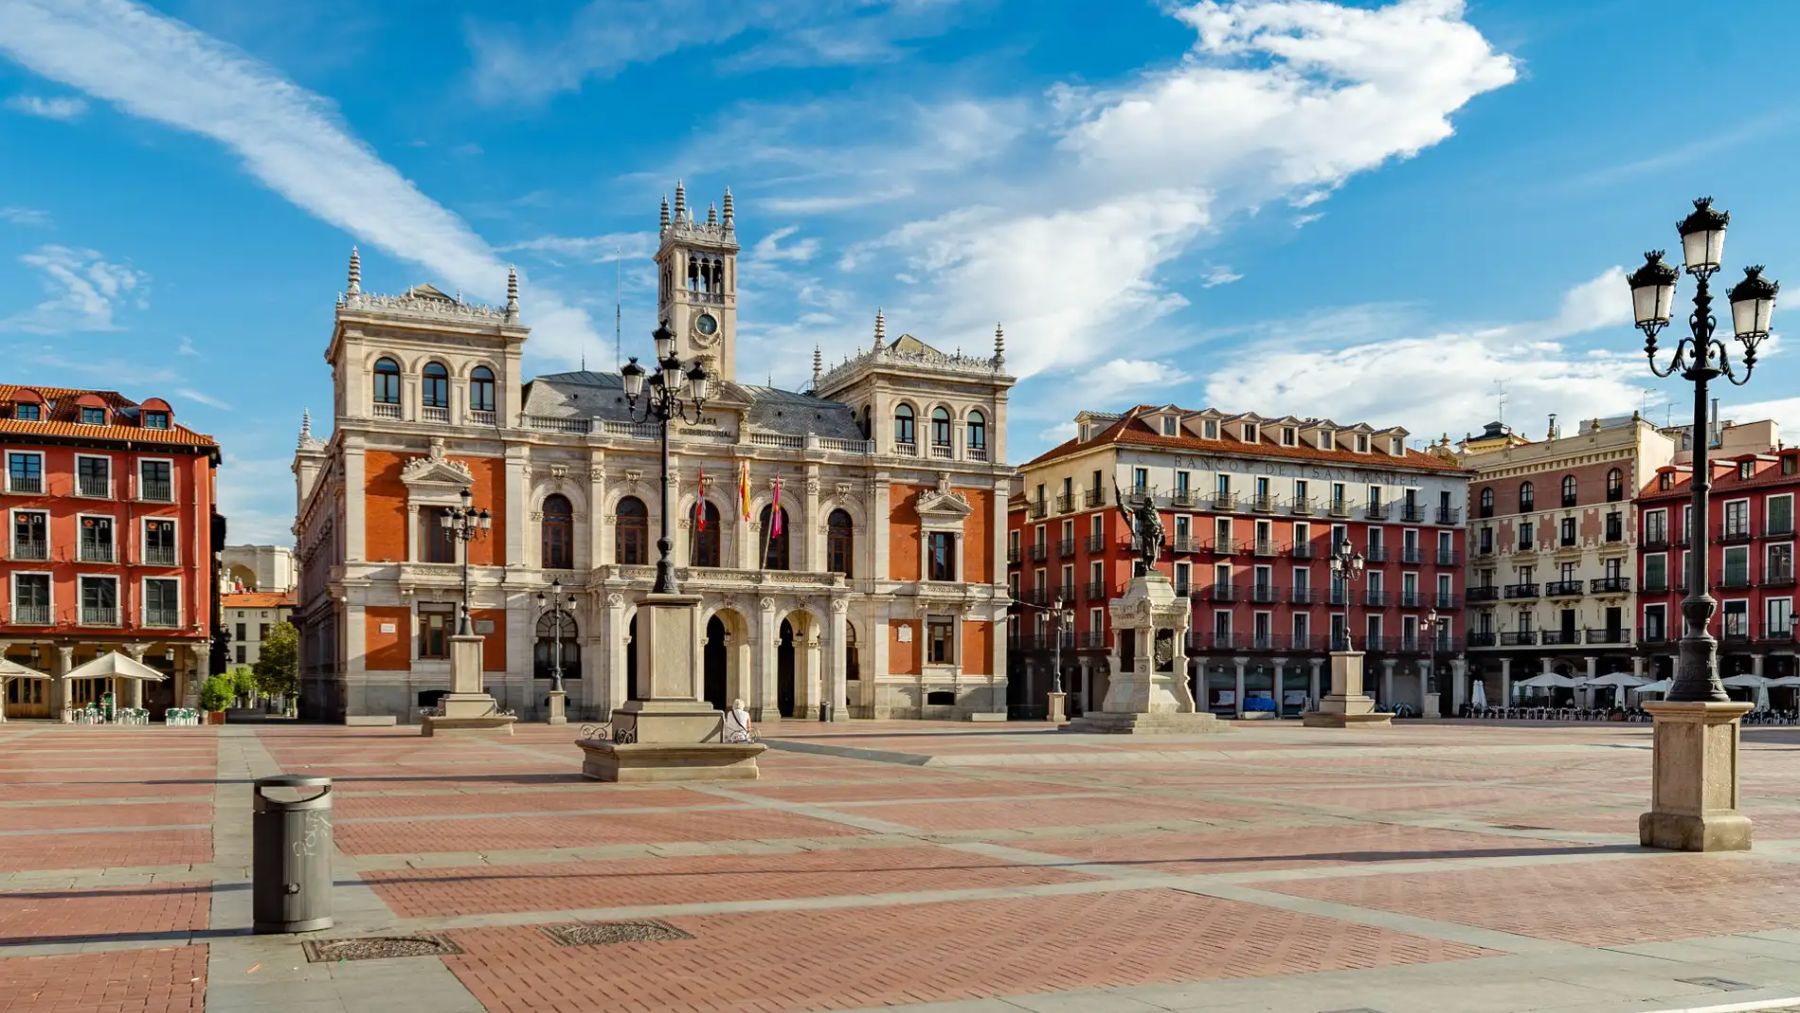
{"x":1694,"y":779}
{"x":673,"y":735}
{"x":468,"y":710}
{"x":1346,"y":705}
{"x":559,"y":703}
{"x":1058,"y":708}
{"x":1148,"y":693}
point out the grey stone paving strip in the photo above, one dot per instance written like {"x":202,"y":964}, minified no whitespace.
{"x":246,"y":971}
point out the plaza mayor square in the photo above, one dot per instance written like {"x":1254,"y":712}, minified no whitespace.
{"x":969,"y":506}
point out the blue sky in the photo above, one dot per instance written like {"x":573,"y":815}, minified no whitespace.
{"x":1365,"y":210}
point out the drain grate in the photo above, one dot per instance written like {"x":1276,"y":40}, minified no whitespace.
{"x":607,"y":933}
{"x":324,"y":951}
{"x":1722,"y":984}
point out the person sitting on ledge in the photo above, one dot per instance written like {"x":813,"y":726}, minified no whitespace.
{"x":737,"y":723}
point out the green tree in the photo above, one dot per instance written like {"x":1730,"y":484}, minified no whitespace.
{"x":243,"y":683}
{"x":278,"y":664}
{"x":216,"y":693}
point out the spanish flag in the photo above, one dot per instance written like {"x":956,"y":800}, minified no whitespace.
{"x":744,"y":488}
{"x":776,"y":514}
{"x":700,"y":503}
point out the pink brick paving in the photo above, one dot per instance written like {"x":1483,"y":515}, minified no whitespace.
{"x":43,"y":914}
{"x":577,"y":831}
{"x":146,"y":814}
{"x":123,"y":981}
{"x":1050,"y":812}
{"x":926,"y":953}
{"x":105,"y":850}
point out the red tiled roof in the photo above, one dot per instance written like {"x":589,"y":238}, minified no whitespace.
{"x":1132,"y":430}
{"x":60,"y":419}
{"x":257,"y":600}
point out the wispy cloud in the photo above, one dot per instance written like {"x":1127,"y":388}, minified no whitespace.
{"x":1219,"y":276}
{"x":83,"y":291}
{"x":774,"y":246}
{"x":193,"y":395}
{"x":290,"y":139}
{"x":33,"y":217}
{"x":61,"y":108}
{"x":186,"y":347}
{"x":602,"y":249}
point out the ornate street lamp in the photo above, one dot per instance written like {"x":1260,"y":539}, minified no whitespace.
{"x":1433,"y":623}
{"x":672,"y":393}
{"x":465,"y":524}
{"x":1060,"y":616}
{"x":1346,"y":565}
{"x":1700,"y":358}
{"x":556,"y":605}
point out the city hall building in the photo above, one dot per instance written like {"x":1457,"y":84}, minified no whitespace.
{"x":845,"y":540}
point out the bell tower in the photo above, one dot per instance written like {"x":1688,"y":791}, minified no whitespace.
{"x":697,"y":281}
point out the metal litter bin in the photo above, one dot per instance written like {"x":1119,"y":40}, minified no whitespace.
{"x":824,"y":712}
{"x":291,"y":856}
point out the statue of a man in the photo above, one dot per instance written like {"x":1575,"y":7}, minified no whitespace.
{"x":1146,"y":530}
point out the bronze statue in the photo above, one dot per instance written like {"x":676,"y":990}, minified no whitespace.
{"x":1146,"y":530}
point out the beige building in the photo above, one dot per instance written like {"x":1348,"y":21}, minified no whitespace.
{"x":248,"y":618}
{"x":256,"y":568}
{"x":858,"y":568}
{"x":1553,"y":547}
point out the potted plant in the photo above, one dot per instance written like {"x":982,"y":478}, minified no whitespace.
{"x":215,"y":695}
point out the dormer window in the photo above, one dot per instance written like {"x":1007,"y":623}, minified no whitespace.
{"x":1170,"y":425}
{"x":1290,"y":437}
{"x":1210,"y":429}
{"x":1326,"y":440}
{"x":1397,"y":447}
{"x":156,"y":420}
{"x":1252,"y":433}
{"x":1746,"y":469}
{"x":27,"y":413}
{"x":1362,"y":444}
{"x":1665,"y":481}
{"x":91,"y":416}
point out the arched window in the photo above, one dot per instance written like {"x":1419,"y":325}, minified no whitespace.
{"x":775,"y":538}
{"x":435,"y":391}
{"x":903,"y":424}
{"x":481,"y":389}
{"x":940,"y":427}
{"x":978,"y":432}
{"x":1568,"y":490}
{"x":544,"y":654}
{"x":1527,"y":498}
{"x":387,"y":381}
{"x":1487,"y":502}
{"x":558,"y":533}
{"x":1615,"y":485}
{"x":840,"y":544}
{"x":631,"y":534}
{"x":706,"y":534}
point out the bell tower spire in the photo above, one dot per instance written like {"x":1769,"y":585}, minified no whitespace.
{"x":697,"y":282}
{"x":355,"y":272}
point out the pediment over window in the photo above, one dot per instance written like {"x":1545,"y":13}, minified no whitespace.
{"x":435,"y":477}
{"x":943,"y":504}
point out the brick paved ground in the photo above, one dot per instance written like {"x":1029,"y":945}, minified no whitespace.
{"x":1420,"y":868}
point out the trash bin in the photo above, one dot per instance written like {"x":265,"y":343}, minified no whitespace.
{"x":824,"y":712}
{"x":291,"y":856}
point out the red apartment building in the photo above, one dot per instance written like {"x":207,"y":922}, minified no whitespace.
{"x":1751,"y":562}
{"x":1252,"y":507}
{"x":111,"y":528}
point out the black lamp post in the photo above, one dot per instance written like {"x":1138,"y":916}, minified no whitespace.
{"x":1701,"y":358}
{"x":673,"y":392}
{"x":1433,"y":623}
{"x":1346,"y":566}
{"x":1060,"y":616}
{"x":465,"y":524}
{"x":556,"y":603}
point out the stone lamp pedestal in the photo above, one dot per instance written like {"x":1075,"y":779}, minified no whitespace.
{"x":673,"y":735}
{"x":1148,"y":693}
{"x":1694,"y":780}
{"x":1346,"y":705}
{"x":1058,"y":707}
{"x":559,"y":703}
{"x":467,"y":709}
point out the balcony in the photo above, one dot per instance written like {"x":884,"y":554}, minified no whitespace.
{"x":1648,"y":637}
{"x":385,"y":410}
{"x":1065,"y":593}
{"x":1736,"y":635}
{"x":1263,"y":547}
{"x":1483,"y":638}
{"x":1783,"y":528}
{"x":1035,"y":509}
{"x":1182,"y":589}
{"x":97,"y":616}
{"x":1412,"y":513}
{"x":1376,"y":554}
{"x":1224,"y":502}
{"x":1780,"y":578}
{"x":1483,"y":593}
{"x":1554,"y":637}
{"x":1375,"y":643}
{"x":1376,"y":511}
{"x":1224,"y":593}
{"x":1411,"y":600}
{"x":1302,"y":508}
{"x":1095,"y":544}
{"x":1040,"y":551}
{"x":1735,"y":581}
{"x":1562,"y":588}
{"x":162,"y":619}
{"x":1301,"y":550}
{"x":1413,"y":555}
{"x":1065,"y":503}
{"x":1067,"y":547}
{"x":30,"y":551}
{"x":1263,"y":594}
{"x":1338,"y":508}
{"x":1484,"y":549}
{"x":1608,"y":637}
{"x":1655,"y":539}
{"x":1782,"y":635}
{"x":31,"y":615}
{"x":1182,"y":498}
{"x":1094,"y":590}
{"x":159,"y":555}
{"x":1518,"y":638}
{"x":1091,"y":640}
{"x":1527,"y":504}
{"x":1568,"y":542}
{"x":1264,"y":504}
{"x":1302,"y":595}
{"x":1735,"y":533}
{"x":153,"y":490}
{"x":1339,"y":641}
{"x":1448,"y":601}
{"x":1656,"y":585}
{"x":92,"y":553}
{"x":93,"y":487}
{"x":1188,"y":543}
{"x":1449,"y":557}
{"x":1012,"y":553}
{"x":1375,"y":599}
{"x":1521,"y":590}
{"x":1449,"y":515}
{"x":1610,"y":585}
{"x":1224,"y":641}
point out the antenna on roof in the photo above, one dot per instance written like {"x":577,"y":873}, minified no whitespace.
{"x":1500,"y":398}
{"x":618,"y":313}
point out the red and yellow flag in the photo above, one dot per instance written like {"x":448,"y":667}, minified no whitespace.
{"x":775,"y":514}
{"x":744,"y":488}
{"x":700,"y":504}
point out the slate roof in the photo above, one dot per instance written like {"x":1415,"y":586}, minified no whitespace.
{"x":596,"y":395}
{"x":60,"y":417}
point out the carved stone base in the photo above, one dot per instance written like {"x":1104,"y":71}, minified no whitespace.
{"x":1152,"y":723}
{"x":1694,"y":778}
{"x":559,"y":701}
{"x":492,"y":724}
{"x":1058,"y":703}
{"x":1345,"y":706}
{"x":662,"y":761}
{"x":1342,"y":719}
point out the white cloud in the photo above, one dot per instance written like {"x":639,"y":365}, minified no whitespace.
{"x":601,"y":249}
{"x":1117,"y":377}
{"x":83,"y":291}
{"x":289,"y":139}
{"x":186,"y":347}
{"x":33,"y":217}
{"x":62,"y":108}
{"x":1785,"y":411}
{"x":770,"y":247}
{"x":193,"y":395}
{"x":1219,"y":276}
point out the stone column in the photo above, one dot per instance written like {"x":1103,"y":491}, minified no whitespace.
{"x":134,"y":697}
{"x":618,"y":687}
{"x":809,"y":681}
{"x":1756,"y":665}
{"x":1312,"y":682}
{"x":1387,"y":682}
{"x":1240,"y":662}
{"x":59,"y":686}
{"x":1505,"y":682}
{"x":1280,"y":686}
{"x":1637,"y":667}
{"x":765,"y":703}
{"x":1425,"y":694}
{"x":1459,"y":678}
{"x":839,"y":670}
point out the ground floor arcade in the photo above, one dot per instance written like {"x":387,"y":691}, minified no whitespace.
{"x":183,"y":663}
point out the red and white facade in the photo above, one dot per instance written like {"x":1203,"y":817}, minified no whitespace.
{"x":1751,"y":533}
{"x":110,"y":515}
{"x":1251,"y":507}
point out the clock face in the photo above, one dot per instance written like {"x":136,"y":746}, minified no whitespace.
{"x":706,"y":324}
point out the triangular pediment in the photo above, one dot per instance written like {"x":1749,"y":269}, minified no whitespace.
{"x":436,"y":469}
{"x":943,"y":503}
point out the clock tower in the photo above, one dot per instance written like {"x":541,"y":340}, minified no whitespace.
{"x":697,"y":282}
